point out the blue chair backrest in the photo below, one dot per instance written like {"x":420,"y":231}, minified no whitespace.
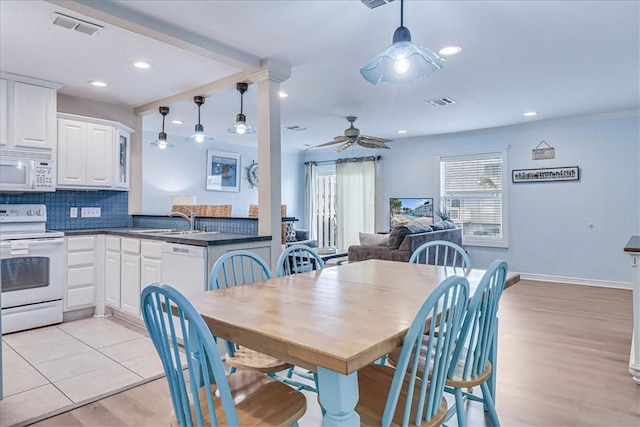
{"x":298,"y":259}
{"x":480,"y":322}
{"x":200,"y":355}
{"x":450,"y":297}
{"x":441,"y":252}
{"x":238,"y":268}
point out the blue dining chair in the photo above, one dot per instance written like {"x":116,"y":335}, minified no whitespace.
{"x":202,"y":394}
{"x":293,"y":260}
{"x":237,"y":268}
{"x":472,"y":365}
{"x":441,"y":252}
{"x":405,"y":394}
{"x":298,"y":259}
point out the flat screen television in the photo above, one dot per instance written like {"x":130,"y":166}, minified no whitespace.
{"x":414,"y":210}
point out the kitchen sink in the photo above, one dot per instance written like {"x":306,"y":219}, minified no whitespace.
{"x":174,"y":232}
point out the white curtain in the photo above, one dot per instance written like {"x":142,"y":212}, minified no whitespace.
{"x":355,"y":200}
{"x":310,"y":198}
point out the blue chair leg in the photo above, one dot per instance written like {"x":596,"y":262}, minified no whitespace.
{"x":290,"y":372}
{"x":460,"y":409}
{"x":232,"y":370}
{"x":489,"y":404}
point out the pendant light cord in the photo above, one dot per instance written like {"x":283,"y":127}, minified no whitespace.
{"x":402,"y":13}
{"x":241,"y":103}
{"x":199,"y":113}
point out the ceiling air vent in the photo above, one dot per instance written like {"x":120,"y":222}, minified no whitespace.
{"x":440,"y":102}
{"x":372,"y":4}
{"x":71,"y":23}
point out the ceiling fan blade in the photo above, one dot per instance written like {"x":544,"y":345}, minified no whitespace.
{"x":370,"y":143}
{"x":336,"y":140}
{"x":376,"y":138}
{"x":344,"y":147}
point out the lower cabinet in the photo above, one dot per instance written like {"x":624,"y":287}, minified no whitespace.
{"x":130,"y":265}
{"x":130,"y":276}
{"x":112,"y":272}
{"x":81,"y":273}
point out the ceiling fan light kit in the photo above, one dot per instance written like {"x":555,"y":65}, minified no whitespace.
{"x":241,"y":127}
{"x":404,"y":61}
{"x":162,"y":142}
{"x":199,"y":136}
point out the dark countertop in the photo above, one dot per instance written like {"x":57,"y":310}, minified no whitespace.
{"x":204,"y":239}
{"x":633,"y":245}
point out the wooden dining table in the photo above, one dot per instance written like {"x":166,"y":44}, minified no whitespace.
{"x":332,"y":321}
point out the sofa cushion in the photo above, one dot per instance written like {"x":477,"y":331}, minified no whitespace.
{"x":443,"y":225}
{"x":398,"y":233}
{"x":369,"y":239}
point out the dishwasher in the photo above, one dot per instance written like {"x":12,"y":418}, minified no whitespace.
{"x":184,"y":267}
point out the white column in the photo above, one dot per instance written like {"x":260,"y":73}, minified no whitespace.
{"x":268,"y":82}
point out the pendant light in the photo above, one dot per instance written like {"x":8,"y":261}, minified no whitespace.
{"x":198,"y":135}
{"x":241,"y":127}
{"x":404,"y":61}
{"x":162,"y":142}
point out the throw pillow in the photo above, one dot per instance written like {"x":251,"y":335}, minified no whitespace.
{"x":368,"y":239}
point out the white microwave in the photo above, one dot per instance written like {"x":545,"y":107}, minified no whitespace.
{"x":22,"y":171}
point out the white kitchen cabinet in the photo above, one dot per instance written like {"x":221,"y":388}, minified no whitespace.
{"x":150,"y":262}
{"x":112,"y":272}
{"x":130,"y":276}
{"x":28,"y":113}
{"x":80,"y":282}
{"x":92,"y":153}
{"x":122,"y":170}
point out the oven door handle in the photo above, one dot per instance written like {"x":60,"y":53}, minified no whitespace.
{"x":34,"y":242}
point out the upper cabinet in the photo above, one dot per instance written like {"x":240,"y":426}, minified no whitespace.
{"x":92,"y":153}
{"x":27,"y":113}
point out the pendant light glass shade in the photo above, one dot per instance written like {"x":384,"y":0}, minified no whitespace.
{"x":241,"y":127}
{"x":162,"y":142}
{"x":198,"y":135}
{"x":404,"y":61}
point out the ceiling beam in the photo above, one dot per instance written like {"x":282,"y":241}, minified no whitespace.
{"x":114,"y":14}
{"x":204,"y":90}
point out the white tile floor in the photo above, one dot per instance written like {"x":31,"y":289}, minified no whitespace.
{"x":62,"y":366}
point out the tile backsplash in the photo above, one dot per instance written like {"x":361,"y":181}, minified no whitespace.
{"x":114,"y":206}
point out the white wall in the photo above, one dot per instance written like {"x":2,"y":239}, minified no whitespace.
{"x":549,"y":232}
{"x":182,"y":170}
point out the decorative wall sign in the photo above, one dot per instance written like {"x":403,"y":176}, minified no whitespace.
{"x":223,"y":171}
{"x":543,"y":153}
{"x":569,"y":173}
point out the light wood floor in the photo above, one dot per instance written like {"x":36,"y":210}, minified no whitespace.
{"x":563,"y":361}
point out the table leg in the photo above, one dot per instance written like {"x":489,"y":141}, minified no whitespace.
{"x":338,"y":396}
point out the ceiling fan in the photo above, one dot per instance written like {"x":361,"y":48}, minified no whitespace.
{"x":352,"y":136}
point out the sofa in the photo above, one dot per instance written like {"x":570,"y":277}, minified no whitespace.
{"x":405,"y":239}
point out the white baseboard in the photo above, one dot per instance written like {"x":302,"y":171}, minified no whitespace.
{"x":576,"y":281}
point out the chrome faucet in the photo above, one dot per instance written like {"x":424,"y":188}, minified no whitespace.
{"x":191,"y":218}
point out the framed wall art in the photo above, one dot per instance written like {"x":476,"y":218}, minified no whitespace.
{"x":223,"y":171}
{"x":569,"y":173}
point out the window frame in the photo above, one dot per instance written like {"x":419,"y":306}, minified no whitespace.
{"x":502,"y":153}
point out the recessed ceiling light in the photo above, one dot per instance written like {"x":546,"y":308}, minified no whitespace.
{"x":450,"y":50}
{"x":177,"y":122}
{"x":530,"y":113}
{"x":282,"y":94}
{"x":401,"y":131}
{"x":98,"y":83}
{"x":142,"y":65}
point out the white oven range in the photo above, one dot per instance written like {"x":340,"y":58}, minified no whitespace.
{"x":32,"y":268}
